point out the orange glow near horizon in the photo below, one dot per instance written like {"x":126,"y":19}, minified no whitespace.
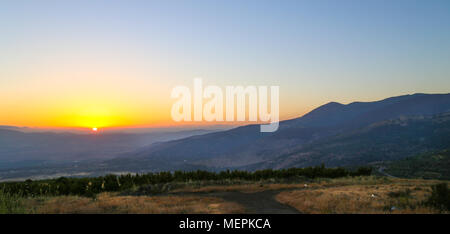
{"x":100,"y":115}
{"x":103,"y":109}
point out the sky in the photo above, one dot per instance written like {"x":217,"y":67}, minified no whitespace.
{"x":114,"y":63}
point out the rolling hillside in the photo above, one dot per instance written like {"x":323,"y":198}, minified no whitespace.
{"x":388,"y":140}
{"x":432,"y":165}
{"x":334,"y":134}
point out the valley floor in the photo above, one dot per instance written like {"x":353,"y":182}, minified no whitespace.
{"x":368,"y":194}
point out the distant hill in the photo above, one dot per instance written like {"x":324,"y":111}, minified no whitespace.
{"x":334,"y":134}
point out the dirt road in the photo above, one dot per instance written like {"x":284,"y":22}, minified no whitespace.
{"x":256,"y":203}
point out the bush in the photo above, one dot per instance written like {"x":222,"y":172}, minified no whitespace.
{"x":10,"y":203}
{"x":440,"y":197}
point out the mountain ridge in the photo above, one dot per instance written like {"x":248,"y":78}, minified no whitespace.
{"x":245,"y":145}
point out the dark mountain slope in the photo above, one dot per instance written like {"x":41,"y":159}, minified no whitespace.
{"x":358,"y":114}
{"x":246,"y":145}
{"x":383,"y":141}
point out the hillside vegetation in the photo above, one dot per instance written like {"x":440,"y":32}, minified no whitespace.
{"x":114,"y":183}
{"x":389,"y":140}
{"x":432,"y":165}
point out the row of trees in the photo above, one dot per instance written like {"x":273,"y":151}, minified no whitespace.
{"x":113,"y":183}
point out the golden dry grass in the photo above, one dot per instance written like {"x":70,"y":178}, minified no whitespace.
{"x":317,"y":183}
{"x":245,"y":188}
{"x":107,"y":203}
{"x":337,"y":196}
{"x":342,"y":195}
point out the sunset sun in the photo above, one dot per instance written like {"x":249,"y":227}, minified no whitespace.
{"x":94,"y":129}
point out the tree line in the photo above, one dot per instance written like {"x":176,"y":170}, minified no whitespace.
{"x":90,"y":186}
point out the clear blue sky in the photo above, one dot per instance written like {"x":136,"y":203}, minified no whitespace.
{"x":317,"y":51}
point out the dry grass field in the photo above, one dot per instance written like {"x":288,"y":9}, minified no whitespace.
{"x":108,"y":203}
{"x":355,"y":195}
{"x":244,"y":188}
{"x":361,"y":196}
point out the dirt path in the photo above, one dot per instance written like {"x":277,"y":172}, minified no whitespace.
{"x":257,"y":203}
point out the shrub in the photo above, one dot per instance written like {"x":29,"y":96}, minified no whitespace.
{"x":440,"y":197}
{"x":10,"y":203}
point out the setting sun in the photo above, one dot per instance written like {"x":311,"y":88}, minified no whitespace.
{"x":94,"y":129}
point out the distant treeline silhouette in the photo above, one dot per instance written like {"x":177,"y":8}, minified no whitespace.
{"x":114,"y":183}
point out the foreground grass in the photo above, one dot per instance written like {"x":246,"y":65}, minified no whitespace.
{"x":366,"y":194}
{"x":300,"y":183}
{"x":362,"y":196}
{"x":11,"y":203}
{"x":108,"y":203}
